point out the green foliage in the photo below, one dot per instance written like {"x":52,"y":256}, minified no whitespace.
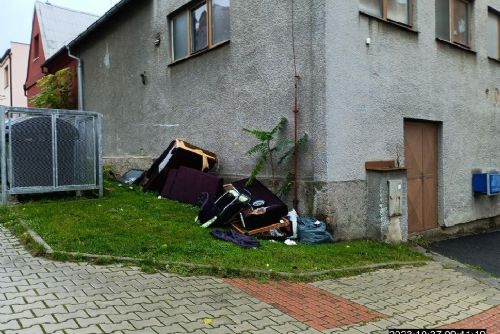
{"x":109,"y":173}
{"x":267,"y":149}
{"x":55,"y":90}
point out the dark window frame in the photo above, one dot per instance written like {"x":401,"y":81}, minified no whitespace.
{"x":384,"y":11}
{"x":497,"y":14}
{"x":452,"y":18}
{"x":6,"y":75}
{"x":187,"y":10}
{"x":36,"y":47}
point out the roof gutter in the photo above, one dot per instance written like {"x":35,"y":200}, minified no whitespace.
{"x":80,"y":78}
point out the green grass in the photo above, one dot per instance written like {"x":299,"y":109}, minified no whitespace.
{"x":134,"y":224}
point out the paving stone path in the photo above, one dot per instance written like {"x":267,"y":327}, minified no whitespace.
{"x":42,"y":296}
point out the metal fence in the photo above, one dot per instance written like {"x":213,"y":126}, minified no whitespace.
{"x":46,"y":150}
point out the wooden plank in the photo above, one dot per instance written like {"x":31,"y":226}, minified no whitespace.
{"x":264,"y":229}
{"x":380,"y":165}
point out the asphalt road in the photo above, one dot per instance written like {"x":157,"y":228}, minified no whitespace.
{"x":482,"y":250}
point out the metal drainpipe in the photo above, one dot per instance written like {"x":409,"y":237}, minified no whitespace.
{"x":80,"y":78}
{"x":10,"y":80}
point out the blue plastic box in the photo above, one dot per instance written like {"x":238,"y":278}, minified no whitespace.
{"x":486,"y":183}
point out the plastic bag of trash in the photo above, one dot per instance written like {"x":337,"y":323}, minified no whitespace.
{"x":312,"y":231}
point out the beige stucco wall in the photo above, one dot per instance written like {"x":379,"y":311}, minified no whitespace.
{"x":18,"y":64}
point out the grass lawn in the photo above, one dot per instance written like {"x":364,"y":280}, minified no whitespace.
{"x":134,"y":224}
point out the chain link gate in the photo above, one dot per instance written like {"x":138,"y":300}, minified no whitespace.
{"x":47,"y":150}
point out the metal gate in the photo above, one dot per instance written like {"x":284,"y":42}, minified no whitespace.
{"x":47,"y":150}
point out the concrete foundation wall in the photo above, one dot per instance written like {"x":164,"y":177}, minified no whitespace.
{"x":370,"y":90}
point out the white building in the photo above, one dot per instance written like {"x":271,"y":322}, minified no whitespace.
{"x":13,"y":66}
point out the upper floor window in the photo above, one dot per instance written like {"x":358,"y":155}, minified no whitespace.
{"x":201,"y":26}
{"x":453,"y":20}
{"x":6,"y":76}
{"x":399,"y":11}
{"x":36,"y":47}
{"x":494,"y":34}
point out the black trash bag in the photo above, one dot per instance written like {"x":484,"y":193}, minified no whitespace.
{"x":312,"y":231}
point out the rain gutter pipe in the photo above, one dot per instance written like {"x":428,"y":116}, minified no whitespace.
{"x":80,"y":78}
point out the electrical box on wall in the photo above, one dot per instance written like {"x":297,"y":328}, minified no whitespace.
{"x":395,"y":196}
{"x":486,"y":183}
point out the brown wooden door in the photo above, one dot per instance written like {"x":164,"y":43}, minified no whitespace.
{"x":421,"y":163}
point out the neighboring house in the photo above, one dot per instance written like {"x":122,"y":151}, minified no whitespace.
{"x":379,"y":79}
{"x":12,"y":75}
{"x":52,"y":28}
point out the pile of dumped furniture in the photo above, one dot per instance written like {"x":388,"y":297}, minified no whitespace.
{"x":181,"y":173}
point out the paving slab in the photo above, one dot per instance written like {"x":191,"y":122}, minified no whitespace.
{"x":38,"y":295}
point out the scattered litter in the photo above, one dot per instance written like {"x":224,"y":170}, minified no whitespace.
{"x":133,"y":176}
{"x":178,"y":153}
{"x":312,"y":231}
{"x":244,"y":241}
{"x":208,"y":321}
{"x":269,"y":211}
{"x":224,"y":209}
{"x":186,"y":184}
{"x":293,"y":216}
{"x":253,"y":211}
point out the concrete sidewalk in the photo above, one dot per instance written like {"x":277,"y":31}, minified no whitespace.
{"x":42,"y":296}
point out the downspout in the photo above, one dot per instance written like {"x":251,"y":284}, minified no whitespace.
{"x":80,"y":78}
{"x":296,"y":119}
{"x":10,"y":80}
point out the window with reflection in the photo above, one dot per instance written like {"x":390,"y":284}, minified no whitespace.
{"x":199,"y":26}
{"x":453,"y":21}
{"x":494,"y":34}
{"x":399,"y":11}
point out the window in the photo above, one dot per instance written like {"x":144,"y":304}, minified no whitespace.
{"x":201,"y":26}
{"x":36,"y":47}
{"x":399,"y":11}
{"x":453,"y":19}
{"x":494,"y":34}
{"x":6,"y":76}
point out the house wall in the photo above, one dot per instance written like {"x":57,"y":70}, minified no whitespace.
{"x":353,"y":98}
{"x":370,"y":90}
{"x":20,"y":54}
{"x":34,"y":72}
{"x":11,"y":87}
{"x":4,"y":89}
{"x":208,"y":99}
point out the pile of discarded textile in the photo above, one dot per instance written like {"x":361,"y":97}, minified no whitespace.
{"x":183,"y":173}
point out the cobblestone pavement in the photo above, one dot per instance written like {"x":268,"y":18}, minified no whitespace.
{"x":42,"y":296}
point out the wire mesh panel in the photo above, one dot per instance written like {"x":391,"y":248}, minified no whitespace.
{"x":46,"y":150}
{"x":29,"y":140}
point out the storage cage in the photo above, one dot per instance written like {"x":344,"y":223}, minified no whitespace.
{"x":48,"y":150}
